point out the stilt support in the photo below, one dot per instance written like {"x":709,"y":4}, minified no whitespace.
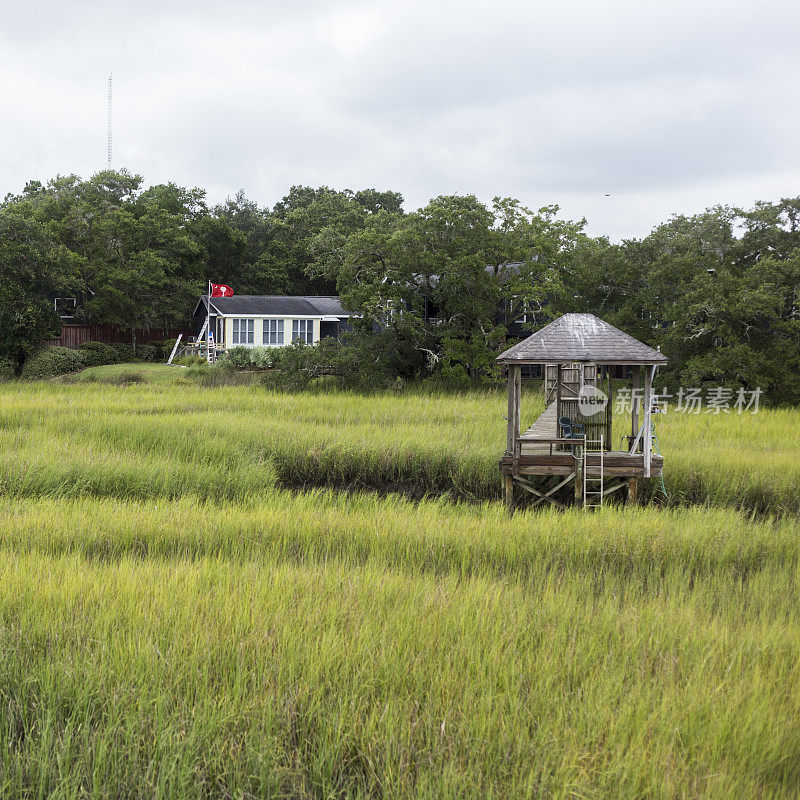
{"x":548,"y":495}
{"x":508,"y":491}
{"x":580,"y":465}
{"x":633,"y":491}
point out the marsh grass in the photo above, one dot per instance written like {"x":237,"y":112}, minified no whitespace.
{"x":174,"y":624}
{"x":316,"y":646}
{"x":419,"y":443}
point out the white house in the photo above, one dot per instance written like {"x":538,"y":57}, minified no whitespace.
{"x":270,"y":320}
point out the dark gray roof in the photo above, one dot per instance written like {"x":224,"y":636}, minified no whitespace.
{"x":581,"y":337}
{"x":266,"y":304}
{"x":328,"y":306}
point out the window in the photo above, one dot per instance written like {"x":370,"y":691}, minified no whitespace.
{"x":524,"y":307}
{"x":273,"y":331}
{"x":303,"y":329}
{"x":244,"y":331}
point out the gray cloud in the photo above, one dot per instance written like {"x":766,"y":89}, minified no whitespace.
{"x":667,"y":107}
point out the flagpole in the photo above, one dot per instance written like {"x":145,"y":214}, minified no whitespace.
{"x":208,"y":325}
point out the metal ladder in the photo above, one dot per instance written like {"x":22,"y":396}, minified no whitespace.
{"x":593,"y":486}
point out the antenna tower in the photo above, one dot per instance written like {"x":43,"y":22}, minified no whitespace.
{"x":109,"y":121}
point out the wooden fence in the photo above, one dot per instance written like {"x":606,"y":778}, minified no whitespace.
{"x":76,"y":335}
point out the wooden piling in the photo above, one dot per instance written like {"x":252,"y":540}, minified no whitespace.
{"x":508,"y":491}
{"x":580,"y":465}
{"x":633,"y":491}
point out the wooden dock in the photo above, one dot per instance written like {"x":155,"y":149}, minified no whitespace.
{"x":616,"y":464}
{"x":546,"y":425}
{"x":580,"y":354}
{"x":539,"y":456}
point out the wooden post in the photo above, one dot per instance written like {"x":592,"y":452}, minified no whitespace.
{"x":510,"y":438}
{"x":514,"y":405}
{"x":580,"y":466}
{"x":647,"y":435}
{"x":558,"y":401}
{"x":517,"y":400}
{"x":633,"y":491}
{"x":508,"y":491}
{"x":635,"y":402}
{"x":609,"y":410}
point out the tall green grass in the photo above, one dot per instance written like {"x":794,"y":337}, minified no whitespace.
{"x":173,"y":623}
{"x":322,"y":646}
{"x":432,"y":536}
{"x":414,"y":442}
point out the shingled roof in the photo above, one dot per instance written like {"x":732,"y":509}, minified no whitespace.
{"x":581,"y":337}
{"x":269,"y":304}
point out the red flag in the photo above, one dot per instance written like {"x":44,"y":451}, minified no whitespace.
{"x":221,"y":290}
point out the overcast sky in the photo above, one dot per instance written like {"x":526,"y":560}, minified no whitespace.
{"x":665,"y":106}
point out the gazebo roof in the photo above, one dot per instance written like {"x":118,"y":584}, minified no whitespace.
{"x":581,"y":337}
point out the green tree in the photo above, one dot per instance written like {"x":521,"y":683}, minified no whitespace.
{"x":135,"y":251}
{"x":448,"y":278}
{"x":33,"y":270}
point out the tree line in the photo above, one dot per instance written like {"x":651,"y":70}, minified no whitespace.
{"x":436,"y":289}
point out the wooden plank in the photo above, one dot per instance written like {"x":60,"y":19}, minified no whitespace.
{"x":558,"y":393}
{"x":565,"y":460}
{"x":510,"y":440}
{"x":614,"y":488}
{"x":541,"y":470}
{"x":624,"y":472}
{"x":613,"y":459}
{"x":517,"y":399}
{"x":558,"y":469}
{"x":542,"y":496}
{"x":545,"y":425}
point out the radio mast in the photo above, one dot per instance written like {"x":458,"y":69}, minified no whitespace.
{"x":109,"y":121}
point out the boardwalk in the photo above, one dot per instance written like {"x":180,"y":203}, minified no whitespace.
{"x":541,"y":458}
{"x":545,"y":425}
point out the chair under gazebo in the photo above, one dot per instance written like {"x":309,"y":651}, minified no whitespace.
{"x":571,"y":441}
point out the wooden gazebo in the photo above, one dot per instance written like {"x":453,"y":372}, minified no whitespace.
{"x":571,"y":442}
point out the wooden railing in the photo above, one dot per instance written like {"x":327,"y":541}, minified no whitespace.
{"x":579,"y":441}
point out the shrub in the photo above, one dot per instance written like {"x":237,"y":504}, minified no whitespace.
{"x":190,"y":361}
{"x":52,"y":361}
{"x":124,"y":352}
{"x":298,"y":364}
{"x":235,"y":358}
{"x":247,"y":358}
{"x":260,"y":358}
{"x":351,"y":364}
{"x":7,"y":369}
{"x":99,"y":353}
{"x":148,"y":352}
{"x":166,"y":348}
